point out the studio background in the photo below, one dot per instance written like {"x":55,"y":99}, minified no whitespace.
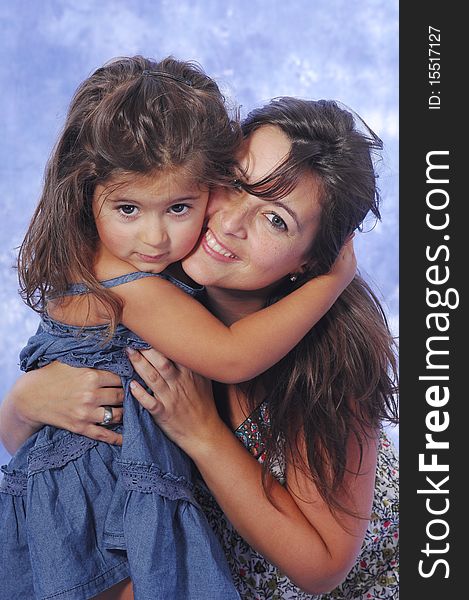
{"x":256,"y":49}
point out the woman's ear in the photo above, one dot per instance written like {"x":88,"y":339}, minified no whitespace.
{"x":302,"y":269}
{"x":305,"y":267}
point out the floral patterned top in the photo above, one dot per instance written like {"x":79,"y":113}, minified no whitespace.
{"x":375,"y":574}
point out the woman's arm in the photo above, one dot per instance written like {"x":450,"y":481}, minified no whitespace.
{"x":187,"y":333}
{"x":296,"y":531}
{"x":66,"y":397}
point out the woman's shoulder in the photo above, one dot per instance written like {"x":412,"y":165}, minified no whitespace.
{"x":388,"y":455}
{"x":386,"y":499}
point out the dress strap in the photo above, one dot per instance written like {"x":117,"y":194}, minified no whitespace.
{"x":76,"y":289}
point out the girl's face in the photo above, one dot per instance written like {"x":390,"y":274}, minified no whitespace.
{"x":250,"y":243}
{"x":149,"y":221}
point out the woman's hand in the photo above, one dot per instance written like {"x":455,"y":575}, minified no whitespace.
{"x":65,"y":397}
{"x":182,"y":404}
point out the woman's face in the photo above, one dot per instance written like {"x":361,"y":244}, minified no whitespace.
{"x":250,"y":243}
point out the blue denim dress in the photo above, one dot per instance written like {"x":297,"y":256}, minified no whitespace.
{"x":77,"y":515}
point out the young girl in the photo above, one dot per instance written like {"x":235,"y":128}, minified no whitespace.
{"x":124,"y":200}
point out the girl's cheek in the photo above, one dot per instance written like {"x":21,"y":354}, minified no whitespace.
{"x":189,"y":238}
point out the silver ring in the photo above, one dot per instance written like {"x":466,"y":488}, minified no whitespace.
{"x":107,"y":415}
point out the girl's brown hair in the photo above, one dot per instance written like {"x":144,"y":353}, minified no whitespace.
{"x":133,"y":115}
{"x":341,"y":379}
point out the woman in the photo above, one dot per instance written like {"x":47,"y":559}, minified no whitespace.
{"x":313,"y":421}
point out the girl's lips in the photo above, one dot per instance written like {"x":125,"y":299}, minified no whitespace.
{"x":151,"y":259}
{"x":218,"y":251}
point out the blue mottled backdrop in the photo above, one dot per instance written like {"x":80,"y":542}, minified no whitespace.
{"x":256,"y":49}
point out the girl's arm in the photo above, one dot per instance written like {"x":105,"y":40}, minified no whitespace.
{"x":66,"y":397}
{"x":297,"y":531}
{"x":187,"y":333}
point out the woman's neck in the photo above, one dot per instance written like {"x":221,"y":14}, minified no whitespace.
{"x":232,"y":305}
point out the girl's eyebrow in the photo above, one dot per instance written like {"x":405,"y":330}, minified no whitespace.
{"x":185,"y":197}
{"x":169,"y":201}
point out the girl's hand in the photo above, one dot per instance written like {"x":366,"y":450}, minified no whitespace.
{"x":182,"y":404}
{"x":69,"y":398}
{"x":345,"y":265}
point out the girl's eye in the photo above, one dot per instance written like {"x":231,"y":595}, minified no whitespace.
{"x":276,"y":222}
{"x":179,"y":209}
{"x":128,"y":210}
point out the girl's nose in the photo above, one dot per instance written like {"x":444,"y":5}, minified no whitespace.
{"x":154,"y":235}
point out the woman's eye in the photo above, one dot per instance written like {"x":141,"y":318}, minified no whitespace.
{"x":179,"y":209}
{"x":128,"y":210}
{"x":276,"y":221}
{"x":237,"y":185}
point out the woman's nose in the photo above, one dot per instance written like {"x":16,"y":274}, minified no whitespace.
{"x":234,"y":215}
{"x":216,"y":200}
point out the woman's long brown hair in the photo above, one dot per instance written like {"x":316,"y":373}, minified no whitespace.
{"x":131,"y":116}
{"x":341,"y":379}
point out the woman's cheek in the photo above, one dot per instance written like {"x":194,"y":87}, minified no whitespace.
{"x":272,"y":257}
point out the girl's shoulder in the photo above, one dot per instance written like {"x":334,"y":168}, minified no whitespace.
{"x":78,"y":306}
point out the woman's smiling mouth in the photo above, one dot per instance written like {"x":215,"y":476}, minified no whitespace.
{"x":213,"y":247}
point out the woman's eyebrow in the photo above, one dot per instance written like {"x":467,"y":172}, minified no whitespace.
{"x":289,"y":211}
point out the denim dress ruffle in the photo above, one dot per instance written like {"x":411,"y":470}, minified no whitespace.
{"x":77,"y":515}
